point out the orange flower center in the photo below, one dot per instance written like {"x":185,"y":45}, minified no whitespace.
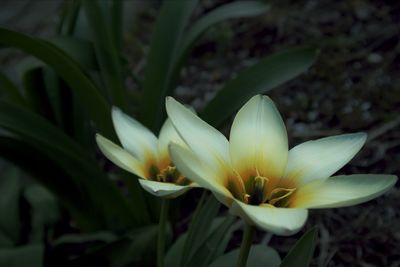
{"x":168,"y":174}
{"x":258,"y":190}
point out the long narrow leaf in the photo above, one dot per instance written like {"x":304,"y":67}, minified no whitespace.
{"x":300,"y":255}
{"x":222,"y":13}
{"x":117,"y":18}
{"x":68,"y":69}
{"x":228,"y":11}
{"x":111,"y":206}
{"x":259,"y":256}
{"x":106,"y":52}
{"x":11,"y":91}
{"x":207,"y":251}
{"x":20,"y":154}
{"x":263,"y":76}
{"x":36,"y":93}
{"x":199,"y":227}
{"x":171,"y":21}
{"x":9,"y":204}
{"x":82,"y":51}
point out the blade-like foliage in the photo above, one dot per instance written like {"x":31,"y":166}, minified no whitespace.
{"x":9,"y":205}
{"x":68,"y":69}
{"x":171,"y":21}
{"x":29,"y":255}
{"x":232,"y":10}
{"x":301,"y":254}
{"x":111,"y":206}
{"x":20,"y":153}
{"x":259,"y":256}
{"x":133,"y":249}
{"x":199,"y":227}
{"x":209,"y":248}
{"x":10,"y":91}
{"x":106,"y":51}
{"x":263,"y":76}
{"x":37,"y":95}
{"x":82,"y":51}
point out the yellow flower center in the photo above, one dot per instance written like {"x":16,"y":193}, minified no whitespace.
{"x":168,"y":174}
{"x":258,"y":190}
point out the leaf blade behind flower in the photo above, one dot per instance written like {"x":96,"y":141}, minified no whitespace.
{"x":268,"y":73}
{"x":301,"y":253}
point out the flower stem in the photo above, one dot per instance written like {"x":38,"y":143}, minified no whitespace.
{"x":161,"y":232}
{"x":246,"y":245}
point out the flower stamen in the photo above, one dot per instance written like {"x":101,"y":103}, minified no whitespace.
{"x":170,"y":174}
{"x":279,"y":196}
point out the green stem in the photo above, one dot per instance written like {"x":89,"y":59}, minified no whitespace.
{"x":161,"y":232}
{"x":246,"y":245}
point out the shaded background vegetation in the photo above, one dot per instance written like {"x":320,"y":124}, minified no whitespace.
{"x":353,"y":86}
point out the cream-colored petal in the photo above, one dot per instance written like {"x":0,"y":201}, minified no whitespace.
{"x":134,"y":137}
{"x":323,"y":157}
{"x":119,"y":156}
{"x":279,"y":221}
{"x":209,"y":145}
{"x":195,"y":170}
{"x":167,"y":135}
{"x":167,"y":190}
{"x":344,"y":190}
{"x":258,"y":139}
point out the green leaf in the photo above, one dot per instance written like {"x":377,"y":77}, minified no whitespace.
{"x":199,"y":226}
{"x":176,"y":251}
{"x":171,"y":22}
{"x":70,"y":12}
{"x":174,"y":254}
{"x":5,"y":241}
{"x":110,"y":205}
{"x":209,"y":248}
{"x":24,"y":256}
{"x":259,"y":256}
{"x":301,"y":254}
{"x":82,"y":51}
{"x":106,"y":51}
{"x":45,"y":211}
{"x":263,"y":76}
{"x":11,"y":91}
{"x":37,"y":95}
{"x":135,"y":249}
{"x":76,"y":239}
{"x":77,"y":203}
{"x":9,"y":204}
{"x":136,"y":194}
{"x":117,"y":18}
{"x":233,"y":10}
{"x":69,"y":70}
{"x":228,"y":11}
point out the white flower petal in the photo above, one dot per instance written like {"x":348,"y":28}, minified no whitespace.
{"x":342,"y":191}
{"x":279,"y":221}
{"x":134,"y":137}
{"x":192,"y":168}
{"x":209,"y":145}
{"x":321,"y":158}
{"x":167,"y":190}
{"x":258,"y":139}
{"x":119,"y":156}
{"x":167,"y":135}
